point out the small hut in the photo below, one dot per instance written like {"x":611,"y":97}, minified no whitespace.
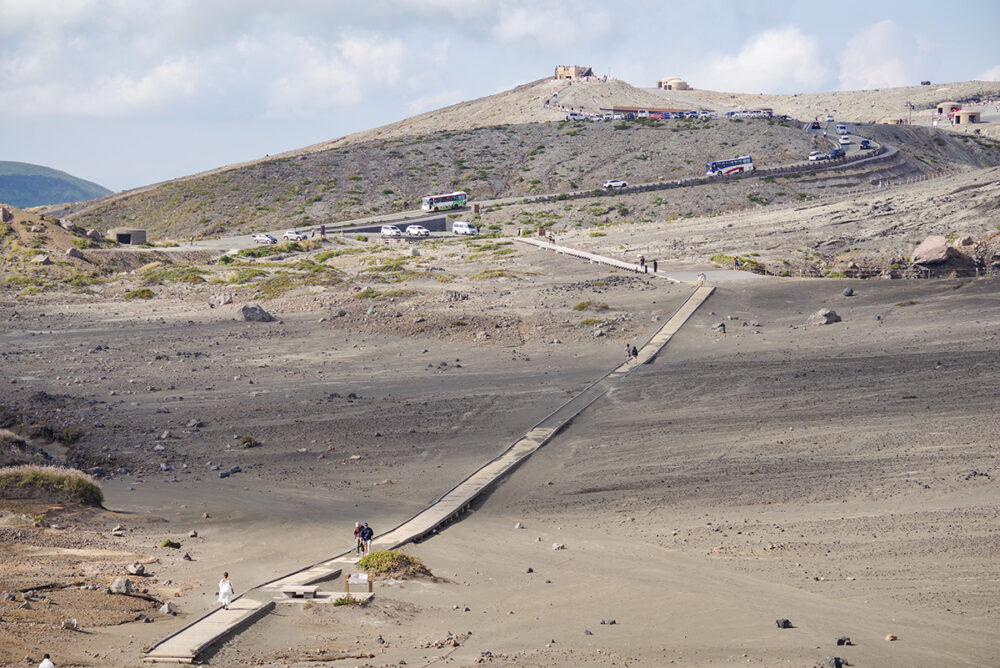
{"x":128,"y":236}
{"x":946,"y":108}
{"x":966,"y":116}
{"x":672,"y":83}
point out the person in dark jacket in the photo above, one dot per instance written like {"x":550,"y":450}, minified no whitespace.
{"x":366,"y":537}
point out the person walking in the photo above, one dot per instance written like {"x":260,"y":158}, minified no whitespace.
{"x":628,"y":353}
{"x":736,"y":262}
{"x":654,"y":266}
{"x":359,"y":545}
{"x":367,"y":533}
{"x":226,"y":591}
{"x":46,"y":662}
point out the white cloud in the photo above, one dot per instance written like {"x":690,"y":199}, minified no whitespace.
{"x":553,"y":25}
{"x":781,"y":60}
{"x":877,"y":56}
{"x":992,"y":74}
{"x":321,"y":76}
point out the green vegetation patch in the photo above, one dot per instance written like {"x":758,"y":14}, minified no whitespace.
{"x":141,"y":293}
{"x":179,"y":274}
{"x":166,"y":542}
{"x":394,"y":564}
{"x":64,"y":482}
{"x":493,"y":273}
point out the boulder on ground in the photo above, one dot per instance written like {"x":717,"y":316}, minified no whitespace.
{"x":136,"y":568}
{"x":254,"y":313}
{"x":964,"y":241}
{"x":95,"y":235}
{"x":783,"y":623}
{"x":824,"y":316}
{"x":167,"y":609}
{"x":121,"y":585}
{"x":932,"y":250}
{"x":75,"y":253}
{"x":41,"y":259}
{"x":220,"y":299}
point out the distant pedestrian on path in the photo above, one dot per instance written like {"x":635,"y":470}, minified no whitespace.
{"x":367,"y":533}
{"x":46,"y":662}
{"x":359,"y":544}
{"x":654,"y":266}
{"x":226,"y":591}
{"x":635,"y":353}
{"x":736,"y":262}
{"x":628,"y":353}
{"x":701,"y":279}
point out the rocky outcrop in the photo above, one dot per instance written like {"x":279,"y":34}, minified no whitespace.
{"x":932,"y":250}
{"x":824,"y":316}
{"x":254,"y":313}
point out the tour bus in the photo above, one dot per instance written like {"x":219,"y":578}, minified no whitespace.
{"x":439,"y":202}
{"x":726,"y":167}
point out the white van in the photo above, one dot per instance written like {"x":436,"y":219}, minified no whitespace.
{"x":841,"y":129}
{"x":463,"y":227}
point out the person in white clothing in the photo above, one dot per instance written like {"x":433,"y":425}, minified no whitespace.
{"x":46,"y":662}
{"x":226,"y":591}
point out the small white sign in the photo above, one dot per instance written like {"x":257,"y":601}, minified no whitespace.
{"x":357,"y":578}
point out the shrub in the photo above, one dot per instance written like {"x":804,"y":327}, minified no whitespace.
{"x":166,"y":542}
{"x":393,"y":563}
{"x":74,"y":484}
{"x":141,"y":293}
{"x":346,"y":600}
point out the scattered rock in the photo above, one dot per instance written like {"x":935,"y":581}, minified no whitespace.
{"x":41,"y":259}
{"x":121,"y":585}
{"x":892,"y":637}
{"x":254,"y":313}
{"x":964,"y":241}
{"x":530,"y":570}
{"x":784,"y":624}
{"x":187,"y":557}
{"x":587,"y":632}
{"x":932,"y":250}
{"x":558,"y":546}
{"x":25,"y":606}
{"x":454,"y":296}
{"x":848,"y":292}
{"x":167,"y":609}
{"x":824,"y":316}
{"x":835,"y":662}
{"x":74,"y":253}
{"x":192,"y":534}
{"x":68,"y":625}
{"x":518,"y":525}
{"x":220,"y":299}
{"x":136,"y":568}
{"x":844,"y":640}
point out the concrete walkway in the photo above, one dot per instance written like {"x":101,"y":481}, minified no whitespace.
{"x":184,"y":645}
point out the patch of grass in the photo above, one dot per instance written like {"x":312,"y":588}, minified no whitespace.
{"x":326,"y":255}
{"x":85,"y":243}
{"x":166,"y":542}
{"x":493,"y":273}
{"x":367,"y":293}
{"x":181,"y":274}
{"x":587,"y":322}
{"x":583,"y":306}
{"x":141,"y":293}
{"x":75,"y":485}
{"x":908,"y":302}
{"x":245,"y":275}
{"x":598,"y":234}
{"x":392,"y":563}
{"x":346,"y":600}
{"x":458,"y":323}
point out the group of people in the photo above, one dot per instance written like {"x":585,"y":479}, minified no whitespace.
{"x":631,"y":353}
{"x":644,"y":268}
{"x":363,"y":535}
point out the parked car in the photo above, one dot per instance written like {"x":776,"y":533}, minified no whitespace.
{"x":417,"y":231}
{"x":615,"y":183}
{"x":573,"y":116}
{"x":293,"y":235}
{"x":391,"y":231}
{"x":618,"y":117}
{"x":815,"y":125}
{"x":841,"y":129}
{"x":836,"y":153}
{"x":844,"y":140}
{"x":264,"y":238}
{"x":464,"y":227}
{"x":642,"y":114}
{"x":865,"y":143}
{"x":818,"y":155}
{"x":829,"y":118}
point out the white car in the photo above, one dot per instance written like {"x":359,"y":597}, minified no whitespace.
{"x":829,"y":118}
{"x":464,"y":227}
{"x":417,"y":231}
{"x":845,"y":140}
{"x":293,"y":235}
{"x":615,"y":183}
{"x":841,"y":129}
{"x":264,"y":238}
{"x":391,"y":231}
{"x":818,"y":155}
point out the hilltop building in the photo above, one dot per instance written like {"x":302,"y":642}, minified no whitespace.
{"x":128,"y":236}
{"x":948,"y":107}
{"x":573,"y":72}
{"x":672,"y":83}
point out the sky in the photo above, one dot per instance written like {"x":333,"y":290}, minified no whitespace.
{"x":130,"y":92}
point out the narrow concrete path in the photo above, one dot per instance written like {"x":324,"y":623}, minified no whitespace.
{"x":184,"y":645}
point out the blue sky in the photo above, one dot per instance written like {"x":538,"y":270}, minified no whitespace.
{"x":130,"y":92}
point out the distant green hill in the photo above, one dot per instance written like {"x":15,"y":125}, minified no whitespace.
{"x":24,"y":185}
